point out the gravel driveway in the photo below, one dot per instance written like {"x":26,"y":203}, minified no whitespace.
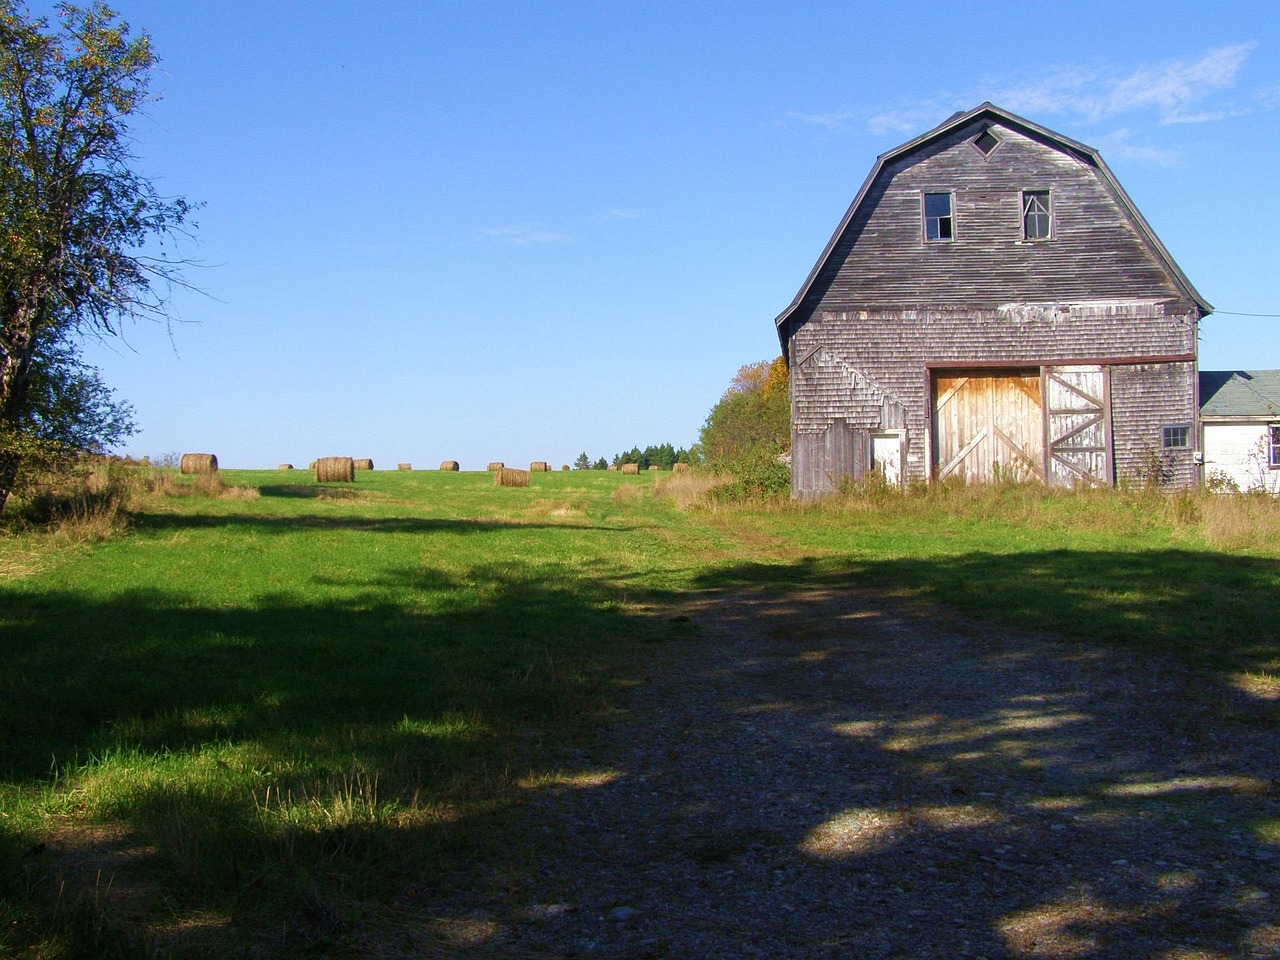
{"x":817,"y":775}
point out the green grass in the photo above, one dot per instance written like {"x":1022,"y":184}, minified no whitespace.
{"x":321,"y":692}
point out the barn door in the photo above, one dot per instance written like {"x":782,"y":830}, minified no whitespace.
{"x":886,"y":456}
{"x":988,"y":425}
{"x":1078,"y":425}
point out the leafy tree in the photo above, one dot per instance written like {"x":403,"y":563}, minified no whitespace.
{"x":82,"y":234}
{"x":583,"y":462}
{"x":749,"y":430}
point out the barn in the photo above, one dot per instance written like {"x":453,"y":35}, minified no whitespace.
{"x":1240,"y":428}
{"x":992,"y":305}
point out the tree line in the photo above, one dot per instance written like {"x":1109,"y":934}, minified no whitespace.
{"x":663,"y":456}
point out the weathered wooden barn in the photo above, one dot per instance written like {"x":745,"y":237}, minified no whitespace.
{"x":992,"y":304}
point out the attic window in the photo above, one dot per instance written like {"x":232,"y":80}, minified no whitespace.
{"x":938,"y":221}
{"x":986,"y":141}
{"x":1035,"y":215}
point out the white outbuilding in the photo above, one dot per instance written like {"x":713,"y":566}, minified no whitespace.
{"x":1240,"y":424}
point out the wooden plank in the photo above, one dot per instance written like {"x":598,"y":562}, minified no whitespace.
{"x":964,"y":452}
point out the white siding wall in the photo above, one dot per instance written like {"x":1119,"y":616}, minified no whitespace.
{"x":1239,"y":450}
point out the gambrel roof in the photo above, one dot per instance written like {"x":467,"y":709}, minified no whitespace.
{"x":1085,"y":154}
{"x":1240,"y":393}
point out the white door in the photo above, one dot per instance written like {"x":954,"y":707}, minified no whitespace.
{"x":886,"y":456}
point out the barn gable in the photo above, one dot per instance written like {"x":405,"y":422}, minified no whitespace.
{"x":982,"y":257}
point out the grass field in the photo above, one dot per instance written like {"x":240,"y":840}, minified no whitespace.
{"x":269,"y":693}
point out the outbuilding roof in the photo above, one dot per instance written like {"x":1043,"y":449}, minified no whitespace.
{"x":1240,"y":393}
{"x":989,"y":110}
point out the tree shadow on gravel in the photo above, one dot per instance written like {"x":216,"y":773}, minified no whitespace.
{"x":827,"y":774}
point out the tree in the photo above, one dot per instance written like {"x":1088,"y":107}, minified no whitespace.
{"x":583,"y":462}
{"x":749,"y":430}
{"x":600,"y":464}
{"x":82,"y":234}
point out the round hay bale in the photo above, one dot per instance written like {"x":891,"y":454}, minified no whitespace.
{"x":565,"y":468}
{"x":511,"y":477}
{"x":365,"y":464}
{"x":198,"y":463}
{"x":404,"y":466}
{"x":631,"y":469}
{"x":653,"y":467}
{"x":679,"y":468}
{"x":285,"y":466}
{"x":495,"y":466}
{"x":335,"y":470}
{"x":539,"y":466}
{"x":612,"y":466}
{"x":311,"y":465}
{"x":450,"y":466}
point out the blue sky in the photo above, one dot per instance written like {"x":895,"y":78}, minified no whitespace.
{"x":518,"y":231}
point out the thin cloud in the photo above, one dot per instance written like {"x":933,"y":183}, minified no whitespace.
{"x":1184,"y":90}
{"x":623,"y":213}
{"x":1116,"y":145}
{"x":521,"y":234}
{"x":832,"y":121}
{"x":1177,"y":91}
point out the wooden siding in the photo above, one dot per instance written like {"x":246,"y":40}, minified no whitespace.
{"x":1144,"y":398}
{"x":871,"y":370}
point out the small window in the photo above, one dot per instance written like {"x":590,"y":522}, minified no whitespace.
{"x":1035,"y":214}
{"x":938,"y":221}
{"x":1175,"y":437}
{"x":1273,"y":446}
{"x":986,"y":141}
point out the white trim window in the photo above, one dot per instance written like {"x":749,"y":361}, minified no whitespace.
{"x":939,"y":221}
{"x":1175,"y":436}
{"x":1273,"y":446}
{"x":1037,"y":223}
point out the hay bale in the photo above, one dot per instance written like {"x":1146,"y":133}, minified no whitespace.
{"x":404,"y":466}
{"x":451,"y":466}
{"x":564,"y":468}
{"x":612,"y":466}
{"x":365,"y":464}
{"x":679,"y":467}
{"x":511,"y":477}
{"x":539,"y":466}
{"x":495,"y":466}
{"x":335,"y":470}
{"x":285,"y":466}
{"x":311,"y":465}
{"x":198,"y":463}
{"x":653,"y":467}
{"x":631,"y":469}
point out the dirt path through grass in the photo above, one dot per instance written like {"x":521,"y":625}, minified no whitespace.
{"x":816,"y":775}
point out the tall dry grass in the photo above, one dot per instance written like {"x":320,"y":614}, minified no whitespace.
{"x":688,"y":489}
{"x":1227,"y":521}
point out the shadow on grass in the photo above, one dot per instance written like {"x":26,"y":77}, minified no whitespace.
{"x":401,"y":717}
{"x":295,"y":523}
